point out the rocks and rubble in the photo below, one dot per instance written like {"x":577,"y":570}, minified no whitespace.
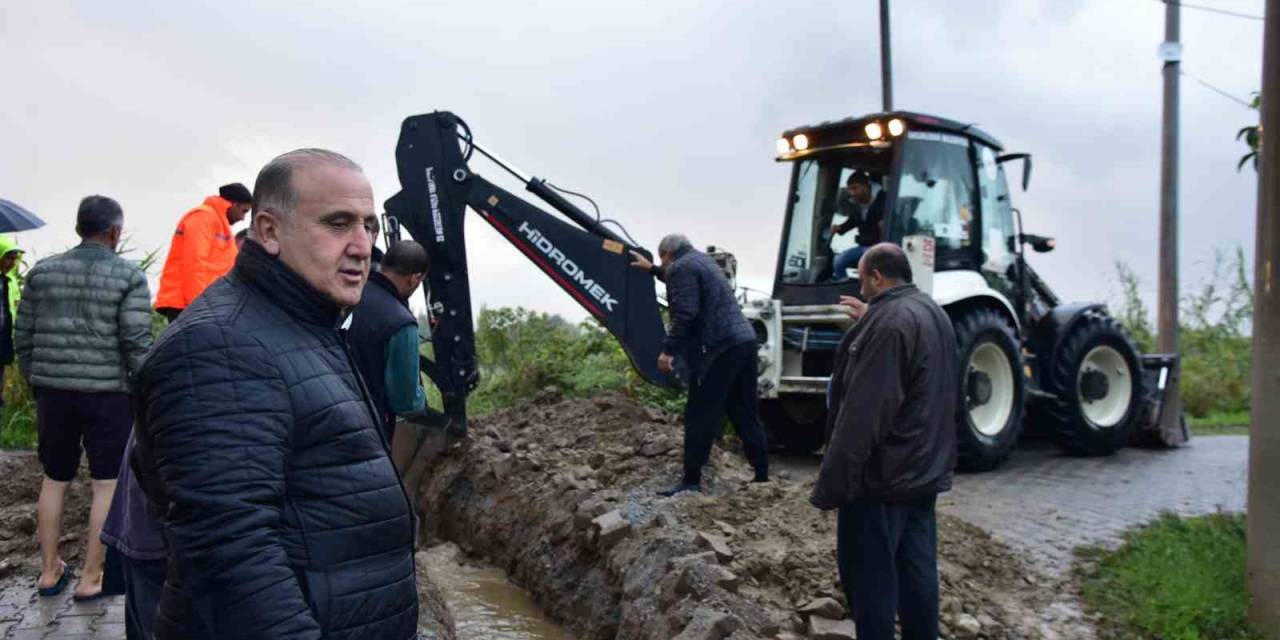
{"x":576,"y":522}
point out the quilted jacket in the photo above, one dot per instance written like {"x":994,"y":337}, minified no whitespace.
{"x":84,"y":322}
{"x":705,"y":317}
{"x":258,"y":449}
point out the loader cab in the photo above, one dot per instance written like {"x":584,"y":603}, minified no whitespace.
{"x":937,"y":178}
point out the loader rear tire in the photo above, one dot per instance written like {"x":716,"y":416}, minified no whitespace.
{"x":989,"y":413}
{"x":1096,"y":377}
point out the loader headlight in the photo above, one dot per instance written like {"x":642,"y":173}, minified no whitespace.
{"x":896,"y":127}
{"x":873,"y":130}
{"x":784,"y":147}
{"x":801,"y":141}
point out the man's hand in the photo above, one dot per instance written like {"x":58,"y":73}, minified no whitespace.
{"x":639,"y":261}
{"x":666,"y":363}
{"x":854,"y":307}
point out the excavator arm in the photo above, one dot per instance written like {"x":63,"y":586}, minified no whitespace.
{"x":582,"y":256}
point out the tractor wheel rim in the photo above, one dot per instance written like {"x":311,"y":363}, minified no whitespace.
{"x":991,"y":417}
{"x":1107,"y":411}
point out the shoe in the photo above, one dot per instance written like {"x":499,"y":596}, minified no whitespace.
{"x":89,"y":598}
{"x":59,"y":586}
{"x":681,"y":488}
{"x":762,"y":475}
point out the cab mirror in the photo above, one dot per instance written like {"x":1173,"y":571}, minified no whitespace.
{"x":1026,"y":166}
{"x":1040,"y":244}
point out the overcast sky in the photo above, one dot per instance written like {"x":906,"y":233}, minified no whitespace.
{"x":666,"y":112}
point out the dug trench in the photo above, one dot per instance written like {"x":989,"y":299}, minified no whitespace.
{"x":561,"y":495}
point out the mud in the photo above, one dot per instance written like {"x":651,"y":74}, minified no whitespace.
{"x":19,"y":550}
{"x":560,"y":494}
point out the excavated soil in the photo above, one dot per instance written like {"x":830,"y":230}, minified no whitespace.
{"x":560,"y":494}
{"x":19,"y":551}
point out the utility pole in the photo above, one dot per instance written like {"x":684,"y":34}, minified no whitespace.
{"x":1263,"y":519}
{"x":886,"y":62}
{"x":1167,"y":312}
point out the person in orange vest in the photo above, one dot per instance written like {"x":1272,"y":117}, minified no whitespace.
{"x":203,"y":248}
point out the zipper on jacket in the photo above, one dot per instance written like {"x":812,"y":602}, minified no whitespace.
{"x":386,"y":446}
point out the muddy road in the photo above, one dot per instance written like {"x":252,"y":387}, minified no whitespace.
{"x":560,"y":495}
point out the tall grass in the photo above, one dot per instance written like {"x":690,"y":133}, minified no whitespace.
{"x":1214,"y":336}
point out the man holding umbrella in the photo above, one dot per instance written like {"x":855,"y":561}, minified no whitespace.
{"x":12,"y":218}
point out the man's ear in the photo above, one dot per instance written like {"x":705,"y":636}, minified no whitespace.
{"x":266,"y":230}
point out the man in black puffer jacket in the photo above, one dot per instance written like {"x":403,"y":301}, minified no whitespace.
{"x":709,"y":332}
{"x":257,"y":445}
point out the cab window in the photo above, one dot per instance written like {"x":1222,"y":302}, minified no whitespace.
{"x":935,"y":195}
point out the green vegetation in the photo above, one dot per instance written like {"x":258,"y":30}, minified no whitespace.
{"x":18,"y":421}
{"x":522,"y":352}
{"x":1214,"y":338}
{"x":1174,"y":579}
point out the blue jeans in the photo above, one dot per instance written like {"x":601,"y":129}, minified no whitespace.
{"x":848,"y":259}
{"x":887,"y":554}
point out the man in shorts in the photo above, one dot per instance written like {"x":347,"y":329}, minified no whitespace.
{"x":82,"y":331}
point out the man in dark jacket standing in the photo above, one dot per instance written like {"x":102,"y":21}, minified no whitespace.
{"x":256,"y":445}
{"x":891,"y":450}
{"x":709,"y":332}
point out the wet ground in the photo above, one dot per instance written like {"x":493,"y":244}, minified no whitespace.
{"x":1046,"y":503}
{"x":484,"y":603}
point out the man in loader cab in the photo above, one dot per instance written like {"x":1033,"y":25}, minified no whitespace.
{"x":202,"y":249}
{"x":708,"y":332}
{"x":866,"y":214}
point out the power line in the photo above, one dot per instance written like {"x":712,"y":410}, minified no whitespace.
{"x":1225,"y":12}
{"x":1221,"y":92}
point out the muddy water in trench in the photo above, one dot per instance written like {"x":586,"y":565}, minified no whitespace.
{"x":485,"y":605}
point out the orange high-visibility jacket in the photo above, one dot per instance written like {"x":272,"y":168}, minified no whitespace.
{"x":203,"y":250}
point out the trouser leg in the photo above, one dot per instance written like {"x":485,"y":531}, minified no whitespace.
{"x":917,"y":565}
{"x":143,"y":584}
{"x":867,"y":534}
{"x":704,"y":416}
{"x":744,"y":410}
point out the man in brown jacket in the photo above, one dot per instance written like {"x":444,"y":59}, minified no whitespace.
{"x":891,"y":449}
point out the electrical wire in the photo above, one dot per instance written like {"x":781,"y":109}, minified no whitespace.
{"x":1225,"y":94}
{"x":1200,"y":7}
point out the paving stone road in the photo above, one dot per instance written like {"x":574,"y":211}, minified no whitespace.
{"x":25,"y":616}
{"x":1046,"y":503}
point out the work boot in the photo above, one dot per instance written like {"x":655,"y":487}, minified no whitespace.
{"x":762,"y":475}
{"x":681,"y":487}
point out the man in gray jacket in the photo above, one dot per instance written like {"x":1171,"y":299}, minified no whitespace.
{"x":83,"y":328}
{"x":891,"y":449}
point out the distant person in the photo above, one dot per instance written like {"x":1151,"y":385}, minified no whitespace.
{"x":385,"y":345}
{"x":891,"y":450}
{"x":83,"y":329}
{"x":710,"y":333}
{"x":10,"y":293}
{"x":255,"y":439}
{"x":202,"y":249}
{"x":866,"y":214}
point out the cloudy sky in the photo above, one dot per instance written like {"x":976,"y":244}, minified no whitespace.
{"x":665,"y":111}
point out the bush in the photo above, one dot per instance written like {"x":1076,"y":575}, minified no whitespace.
{"x":521,"y":352}
{"x":18,"y":422}
{"x":1215,"y":321}
{"x":1175,"y":579}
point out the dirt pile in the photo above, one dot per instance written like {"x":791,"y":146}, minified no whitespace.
{"x":19,"y":551}
{"x":561,"y":495}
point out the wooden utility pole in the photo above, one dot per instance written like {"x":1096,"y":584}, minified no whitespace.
{"x":1264,"y":430}
{"x":1167,"y":312}
{"x":886,"y":62}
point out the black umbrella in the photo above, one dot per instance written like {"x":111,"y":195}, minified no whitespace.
{"x":15,"y":218}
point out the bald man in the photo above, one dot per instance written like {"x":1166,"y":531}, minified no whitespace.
{"x":892,"y":449}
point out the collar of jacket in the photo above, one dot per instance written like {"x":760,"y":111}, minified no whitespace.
{"x":682,"y":253}
{"x":219,"y":205}
{"x":376,"y":278}
{"x":892,"y":293}
{"x":284,"y":288}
